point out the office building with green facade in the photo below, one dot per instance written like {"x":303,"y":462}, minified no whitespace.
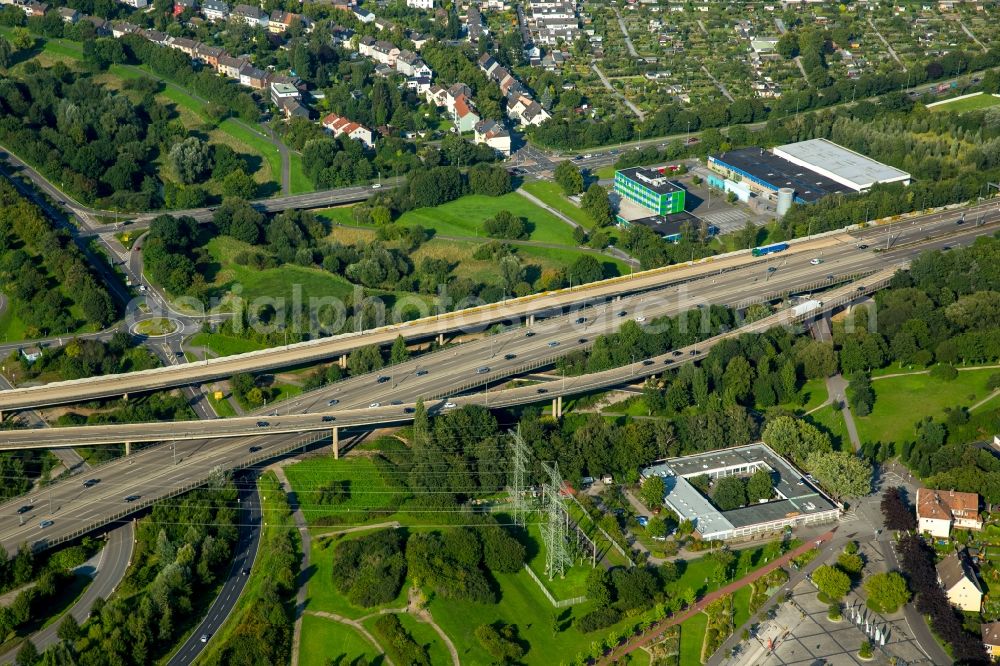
{"x":649,"y":189}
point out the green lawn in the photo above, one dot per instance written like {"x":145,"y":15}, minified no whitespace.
{"x":553,"y":196}
{"x":741,"y":606}
{"x":221,"y":345}
{"x":573,"y":584}
{"x":323,"y":596}
{"x":815,"y":392}
{"x":983,"y":101}
{"x":699,"y":574}
{"x":222,"y":407}
{"x":299,"y":182}
{"x":692,"y":638}
{"x":257,"y":141}
{"x":465,"y":217}
{"x":371,"y":499}
{"x":424,"y":635}
{"x":605,"y":172}
{"x":523,"y":604}
{"x":11,"y":327}
{"x":339,"y":215}
{"x":894,"y":416}
{"x":324,"y":640}
{"x":832,"y":422}
{"x":612,"y":267}
{"x":283,"y":282}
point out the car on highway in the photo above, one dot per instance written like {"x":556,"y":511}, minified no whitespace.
{"x":90,"y":483}
{"x":45,"y":523}
{"x":262,"y":424}
{"x":483,"y":370}
{"x":450,"y":405}
{"x":648,"y":361}
{"x":553,"y":343}
{"x":861,"y":288}
{"x":582,"y":341}
{"x":623,"y":313}
{"x":509,"y":357}
{"x":408,"y":410}
{"x":578,"y":157}
{"x":205,"y":637}
{"x":542,"y":390}
{"x":581,"y":320}
{"x":862,"y":246}
{"x":246,"y":572}
{"x":587,"y":156}
{"x":254,"y":449}
{"x":771,"y":269}
{"x":421,"y":372}
{"x":816,"y":262}
{"x":668,"y":361}
{"x":328,"y":419}
{"x":640,"y":319}
{"x":377,"y":186}
{"x":333,"y":402}
{"x":25,"y":509}
{"x":529,"y":334}
{"x":382,"y":379}
{"x":396,"y":402}
{"x":131,"y":498}
{"x":374,"y":405}
{"x":677,"y":352}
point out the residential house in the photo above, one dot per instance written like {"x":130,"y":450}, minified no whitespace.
{"x":410,"y":64}
{"x":252,"y":16}
{"x":418,"y":40}
{"x":487,"y":63}
{"x":181,"y":5}
{"x":69,"y":15}
{"x":453,"y":93}
{"x":339,"y":125}
{"x":230,"y":66}
{"x":384,"y":24}
{"x":209,"y":55}
{"x":464,"y":114}
{"x":215,"y":10}
{"x":534,"y":114}
{"x":420,"y":4}
{"x":102,"y":28}
{"x":474,"y":24}
{"x":340,"y":36}
{"x":363,"y":15}
{"x":280,"y":21}
{"x":494,"y":135}
{"x":280,"y":91}
{"x":938,"y":511}
{"x":436,"y":96}
{"x":419,"y":84}
{"x":383,"y":71}
{"x":35,"y":9}
{"x":119,"y":30}
{"x":292,"y":108}
{"x":991,"y":638}
{"x":31,"y":354}
{"x":958,"y":578}
{"x":385,"y":53}
{"x":184,"y":45}
{"x":252,"y":77}
{"x":136,"y":4}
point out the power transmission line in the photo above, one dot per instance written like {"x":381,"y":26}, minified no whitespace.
{"x":557,"y":558}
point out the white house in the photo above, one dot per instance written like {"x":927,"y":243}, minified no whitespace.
{"x":420,"y":4}
{"x":494,"y":135}
{"x":938,"y":511}
{"x":958,"y":578}
{"x":338,"y":125}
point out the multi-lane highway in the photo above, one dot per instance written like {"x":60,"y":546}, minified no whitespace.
{"x":236,"y":579}
{"x":835,"y":246}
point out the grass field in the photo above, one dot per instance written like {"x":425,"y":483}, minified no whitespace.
{"x":741,"y":606}
{"x":298,"y":181}
{"x":257,"y":141}
{"x":326,"y":641}
{"x":574,"y":584}
{"x":222,"y":407}
{"x":323,"y":596}
{"x":465,"y":217}
{"x":283,"y":282}
{"x":220,"y":345}
{"x":692,"y":638}
{"x":893,"y":417}
{"x":369,"y":492}
{"x":424,"y":635}
{"x":815,"y":392}
{"x":832,"y":422}
{"x":11,"y":327}
{"x":699,"y":574}
{"x":983,"y":101}
{"x":553,"y":195}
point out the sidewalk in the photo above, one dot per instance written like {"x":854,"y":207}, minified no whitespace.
{"x":655,"y":633}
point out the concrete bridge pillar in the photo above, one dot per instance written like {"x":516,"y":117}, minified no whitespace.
{"x":531,"y":320}
{"x":128,"y":448}
{"x":125,"y":397}
{"x":557,"y":407}
{"x":343,"y":361}
{"x":335,"y":438}
{"x":440,"y":340}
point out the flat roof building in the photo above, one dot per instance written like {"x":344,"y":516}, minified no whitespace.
{"x":650,"y":189}
{"x":850,"y":169}
{"x":796,"y":501}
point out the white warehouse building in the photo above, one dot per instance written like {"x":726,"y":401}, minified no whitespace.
{"x":842,"y":165}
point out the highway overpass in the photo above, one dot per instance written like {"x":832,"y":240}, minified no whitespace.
{"x":836,"y":247}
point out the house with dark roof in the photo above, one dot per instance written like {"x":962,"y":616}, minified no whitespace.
{"x":230,"y":66}
{"x":215,"y":10}
{"x":958,"y":578}
{"x":991,"y":638}
{"x":208,"y":55}
{"x":119,"y":30}
{"x":252,"y":77}
{"x":494,"y":135}
{"x":249,"y":14}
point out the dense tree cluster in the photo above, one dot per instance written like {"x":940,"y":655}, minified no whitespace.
{"x":44,"y":273}
{"x":370,"y":570}
{"x":617,"y":592}
{"x":917,"y":562}
{"x":80,"y":358}
{"x":398,"y":642}
{"x":886,"y":592}
{"x":896,"y":511}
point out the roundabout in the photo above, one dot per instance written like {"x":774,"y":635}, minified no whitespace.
{"x":156,"y":327}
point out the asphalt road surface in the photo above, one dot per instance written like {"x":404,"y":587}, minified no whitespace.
{"x":229,"y":595}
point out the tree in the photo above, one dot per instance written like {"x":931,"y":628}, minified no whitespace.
{"x":831,"y":581}
{"x":795,"y":438}
{"x":569,"y":177}
{"x":886,"y":592}
{"x":759,"y":486}
{"x":730,"y":493}
{"x":69,"y":629}
{"x":238,"y":184}
{"x":585,"y":269}
{"x":505,"y":225}
{"x":896,"y":512}
{"x":840,"y":472}
{"x":27,"y":655}
{"x":364,"y":359}
{"x":6,"y":51}
{"x":399,"y":352}
{"x":191,"y":159}
{"x":653,"y":492}
{"x":489,"y":179}
{"x":22,"y":39}
{"x":788,"y":45}
{"x":596,"y":204}
{"x":860,"y":394}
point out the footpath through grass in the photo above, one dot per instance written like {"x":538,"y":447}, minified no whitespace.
{"x":983,"y":101}
{"x":553,"y":196}
{"x":893,"y":418}
{"x":327,"y":641}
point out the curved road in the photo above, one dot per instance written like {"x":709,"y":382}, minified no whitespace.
{"x":244,"y":557}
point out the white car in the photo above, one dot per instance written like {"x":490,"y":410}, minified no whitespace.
{"x":816,"y":262}
{"x":377,"y":186}
{"x":450,"y":405}
{"x":587,"y":156}
{"x":374,"y":405}
{"x":640,"y":319}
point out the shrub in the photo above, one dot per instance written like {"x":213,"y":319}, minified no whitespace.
{"x":335,"y":492}
{"x":398,"y":642}
{"x":370,"y":570}
{"x":945,"y":372}
{"x":597,"y":619}
{"x":500,"y":641}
